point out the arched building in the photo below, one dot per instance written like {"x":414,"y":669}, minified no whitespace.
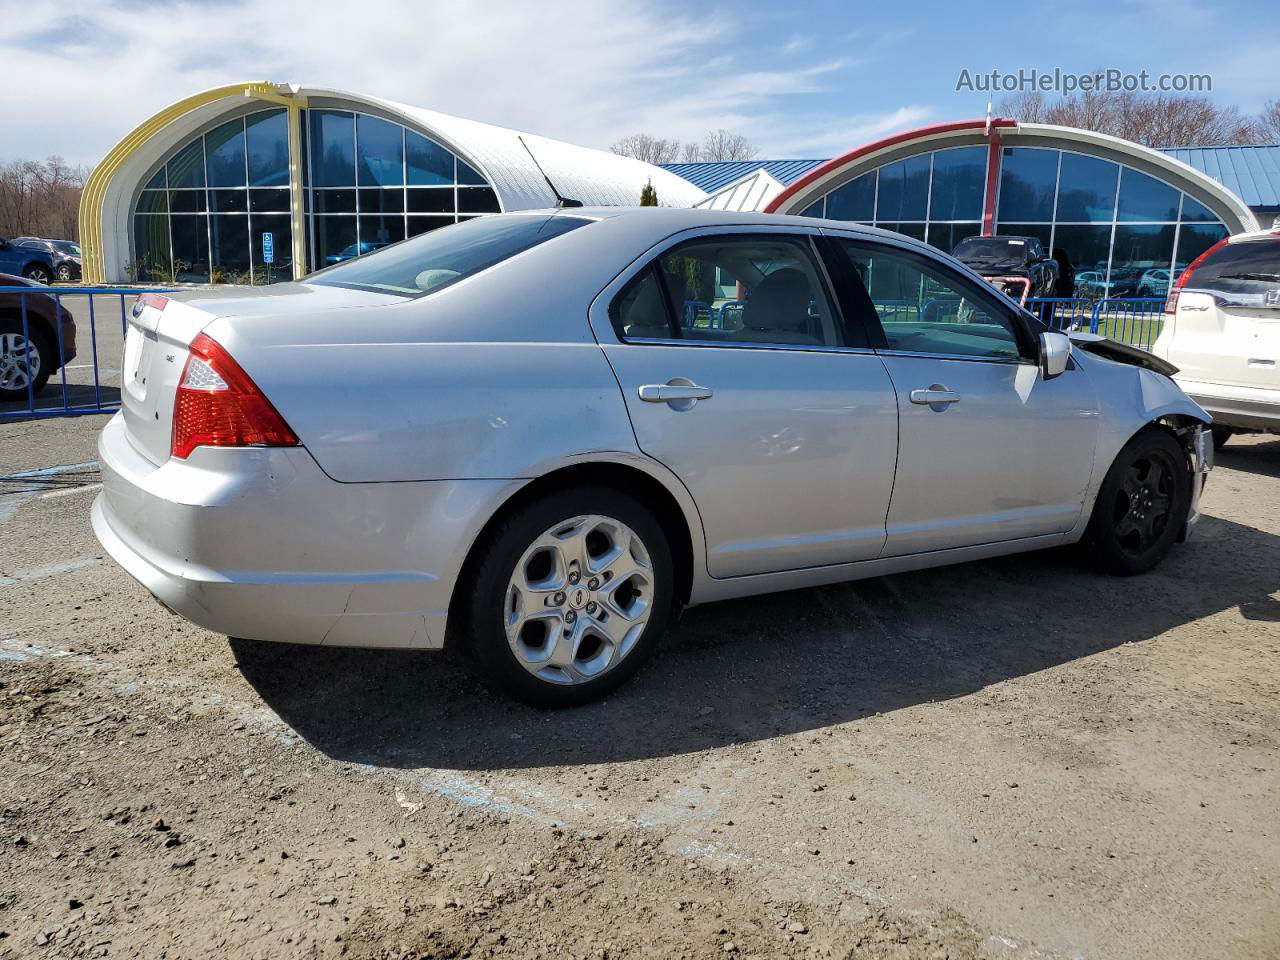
{"x":253,"y":183}
{"x":1120,"y":210}
{"x":320,"y":175}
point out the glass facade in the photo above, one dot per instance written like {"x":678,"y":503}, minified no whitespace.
{"x":367,"y":183}
{"x":1118,"y":231}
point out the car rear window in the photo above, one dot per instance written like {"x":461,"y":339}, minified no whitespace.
{"x":991,"y":247}
{"x":435,"y":260}
{"x":1240,"y":271}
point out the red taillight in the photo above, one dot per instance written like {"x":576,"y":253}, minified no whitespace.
{"x":219,"y":406}
{"x":1171,"y":302}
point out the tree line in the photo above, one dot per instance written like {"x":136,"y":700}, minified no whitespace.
{"x":1152,"y":119}
{"x":41,"y":198}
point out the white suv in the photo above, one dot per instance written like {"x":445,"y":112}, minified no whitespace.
{"x":1222,"y":330}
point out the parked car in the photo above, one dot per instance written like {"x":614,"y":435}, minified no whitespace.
{"x":1222,"y":329}
{"x":1092,"y":284}
{"x":30,"y":358}
{"x":64,"y":253}
{"x":535,"y":457}
{"x":1095,"y":285}
{"x":1154,"y":283}
{"x":351,"y":251}
{"x":29,"y":262}
{"x":1010,"y":257}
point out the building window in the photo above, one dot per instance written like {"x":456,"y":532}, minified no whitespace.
{"x":374,"y":182}
{"x":367,"y":183}
{"x":1117,"y":226}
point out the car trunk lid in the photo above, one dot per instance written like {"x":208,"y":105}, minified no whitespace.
{"x":161,"y":328}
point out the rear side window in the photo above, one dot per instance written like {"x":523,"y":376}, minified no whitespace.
{"x":433,"y":261}
{"x":730,"y":290}
{"x":1247,"y":272}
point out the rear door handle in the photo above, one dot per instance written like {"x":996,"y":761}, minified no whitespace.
{"x":667,"y":392}
{"x":937,"y":397}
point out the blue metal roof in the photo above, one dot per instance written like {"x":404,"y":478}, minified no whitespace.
{"x":712,"y":175}
{"x":1252,"y":173}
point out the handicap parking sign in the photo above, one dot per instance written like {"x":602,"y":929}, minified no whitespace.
{"x":268,"y":248}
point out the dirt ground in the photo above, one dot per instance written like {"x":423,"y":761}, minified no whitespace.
{"x":1008,"y":759}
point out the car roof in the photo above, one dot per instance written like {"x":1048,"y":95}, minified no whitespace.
{"x":664,"y":221}
{"x":1254,"y":235}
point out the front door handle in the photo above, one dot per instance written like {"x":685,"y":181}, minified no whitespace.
{"x":936,"y":398}
{"x":680,"y":393}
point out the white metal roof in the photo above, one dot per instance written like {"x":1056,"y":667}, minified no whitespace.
{"x":595,"y":177}
{"x":749,"y":192}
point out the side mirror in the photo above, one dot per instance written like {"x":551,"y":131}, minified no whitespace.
{"x":1055,"y":351}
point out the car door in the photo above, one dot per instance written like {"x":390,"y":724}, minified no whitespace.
{"x":988,"y":449}
{"x":740,"y":376}
{"x":10,"y":258}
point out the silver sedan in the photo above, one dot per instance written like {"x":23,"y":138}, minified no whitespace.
{"x":540,"y":435}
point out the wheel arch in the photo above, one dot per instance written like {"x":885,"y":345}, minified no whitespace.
{"x":637,"y":476}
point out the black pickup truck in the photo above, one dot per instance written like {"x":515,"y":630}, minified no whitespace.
{"x":1010,"y":257}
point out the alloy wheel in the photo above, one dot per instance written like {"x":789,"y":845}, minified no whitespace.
{"x":19,"y":361}
{"x":579,"y":599}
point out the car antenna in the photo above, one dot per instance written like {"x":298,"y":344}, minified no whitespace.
{"x":561,"y":201}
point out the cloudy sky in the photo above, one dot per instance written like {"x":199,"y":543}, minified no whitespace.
{"x":800,"y":79}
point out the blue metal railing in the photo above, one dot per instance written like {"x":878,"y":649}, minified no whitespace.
{"x":1132,"y":320}
{"x":42,"y":330}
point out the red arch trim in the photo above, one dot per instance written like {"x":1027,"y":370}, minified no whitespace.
{"x":845,"y":159}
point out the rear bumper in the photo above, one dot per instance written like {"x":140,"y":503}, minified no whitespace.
{"x":1249,"y":408}
{"x":260,"y":543}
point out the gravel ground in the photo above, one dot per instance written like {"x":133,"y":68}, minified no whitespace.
{"x":1014,"y":758}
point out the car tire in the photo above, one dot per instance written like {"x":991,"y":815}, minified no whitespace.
{"x":1220,"y":436}
{"x":595,"y":566}
{"x":1141,"y":506}
{"x":39,"y":273}
{"x":12,"y":383}
{"x":64,"y":273}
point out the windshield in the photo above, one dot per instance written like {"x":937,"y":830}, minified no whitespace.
{"x":1241,"y":272}
{"x":433,"y":261}
{"x":1003,"y":248}
{"x":66,"y":246}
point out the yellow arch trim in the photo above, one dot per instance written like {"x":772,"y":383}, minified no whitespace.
{"x":95,"y":188}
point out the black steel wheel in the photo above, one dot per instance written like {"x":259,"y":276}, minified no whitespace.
{"x":1142,"y":505}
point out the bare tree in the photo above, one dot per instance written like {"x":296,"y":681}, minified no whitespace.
{"x":717,"y":145}
{"x":1153,"y":119}
{"x":723,"y":145}
{"x":40,"y":199}
{"x":1270,"y":121}
{"x":648,"y":148}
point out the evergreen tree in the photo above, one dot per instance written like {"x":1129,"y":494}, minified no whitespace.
{"x":648,"y":195}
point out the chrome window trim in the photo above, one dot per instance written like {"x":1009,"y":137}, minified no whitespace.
{"x":740,"y":345}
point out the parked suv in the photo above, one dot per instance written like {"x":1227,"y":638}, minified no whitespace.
{"x":65,"y":254}
{"x":1222,"y":330}
{"x":23,"y":261}
{"x":1010,"y":257}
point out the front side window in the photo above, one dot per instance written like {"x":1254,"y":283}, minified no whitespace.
{"x":925,"y":308}
{"x":732,"y":290}
{"x":433,"y":261}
